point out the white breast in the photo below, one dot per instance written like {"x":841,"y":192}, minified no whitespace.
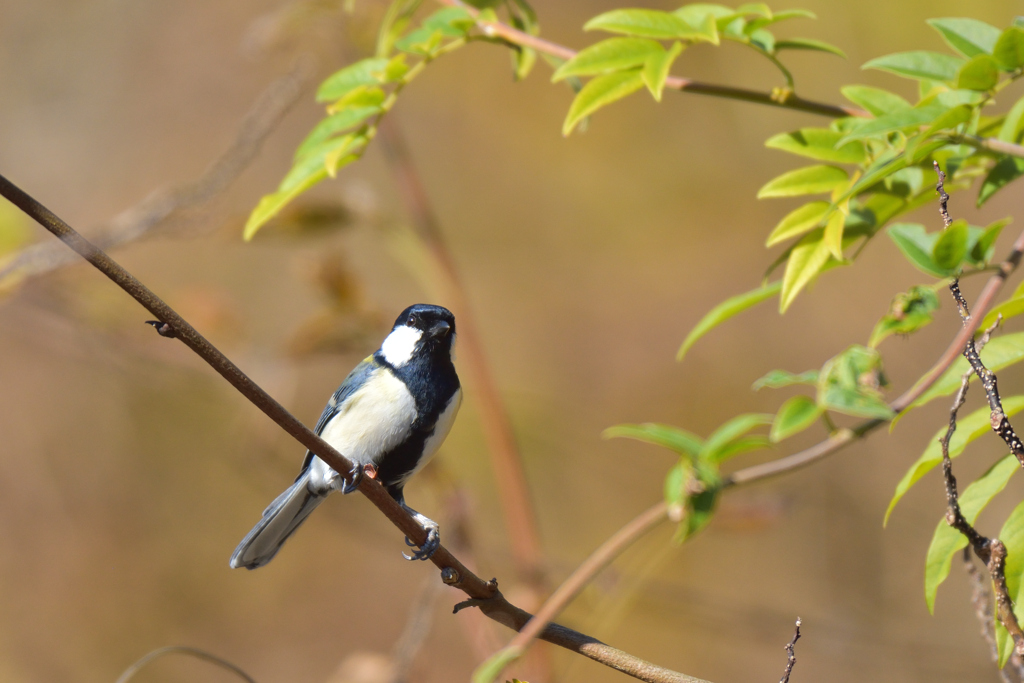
{"x":375,"y":419}
{"x":444,"y":425}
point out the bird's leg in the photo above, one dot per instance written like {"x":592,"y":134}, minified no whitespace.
{"x":433,"y":541}
{"x":370,"y":470}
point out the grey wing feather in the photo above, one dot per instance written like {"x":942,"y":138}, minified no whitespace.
{"x":357,"y":378}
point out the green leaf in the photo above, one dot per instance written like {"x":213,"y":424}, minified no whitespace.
{"x":675,"y":486}
{"x":981,"y":249}
{"x":917,"y":245}
{"x":364,"y":72}
{"x":909,"y":312}
{"x":877,"y":101}
{"x":951,"y":246}
{"x":742,"y":445}
{"x":1010,"y":308}
{"x":904,"y":118}
{"x":343,"y":120}
{"x":980,"y":73}
{"x":1013,"y":123}
{"x":757,"y":8}
{"x":795,"y":415}
{"x":726,"y":310}
{"x":947,"y":541}
{"x":1012,"y":536}
{"x":999,"y":353}
{"x":672,"y":438}
{"x":918,"y":64}
{"x":819,"y":144}
{"x":969,"y":37}
{"x":452,"y":22}
{"x":776,"y":379}
{"x":849,"y":384}
{"x":599,"y":92}
{"x":15,"y":232}
{"x":270,"y":205}
{"x":656,"y":69}
{"x":728,"y":432}
{"x":359,"y":96}
{"x":1002,"y":174}
{"x":763,"y":39}
{"x":646,"y":23}
{"x":833,"y":236}
{"x":423,"y":41}
{"x":806,"y":180}
{"x":808,"y":44}
{"x":969,"y":428}
{"x":613,"y":54}
{"x":1009,"y":49}
{"x":807,"y":259}
{"x":799,"y":221}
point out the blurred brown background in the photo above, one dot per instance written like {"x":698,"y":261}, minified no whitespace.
{"x":129,"y":470}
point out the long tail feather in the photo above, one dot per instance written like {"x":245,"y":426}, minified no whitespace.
{"x":280,"y":520}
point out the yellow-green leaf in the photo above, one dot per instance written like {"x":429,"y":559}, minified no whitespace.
{"x":999,"y":353}
{"x":656,"y":69}
{"x":834,"y":234}
{"x":799,"y":221}
{"x":726,"y":310}
{"x":807,"y":180}
{"x":645,"y":23}
{"x":364,"y":72}
{"x":599,"y":92}
{"x":613,"y":54}
{"x":795,"y":415}
{"x":807,"y":259}
{"x":818,"y":144}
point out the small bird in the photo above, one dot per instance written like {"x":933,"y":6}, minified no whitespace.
{"x":388,"y":417}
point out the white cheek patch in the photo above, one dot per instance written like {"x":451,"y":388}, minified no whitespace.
{"x":400,"y":344}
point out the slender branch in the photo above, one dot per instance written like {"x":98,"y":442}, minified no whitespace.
{"x":506,"y":459}
{"x":982,"y":602}
{"x":130,"y":672}
{"x":139,"y":220}
{"x":484,"y":594}
{"x":496,"y":29}
{"x":578,"y":580}
{"x":790,"y":651}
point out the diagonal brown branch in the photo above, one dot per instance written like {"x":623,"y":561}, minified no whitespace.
{"x":483,"y":594}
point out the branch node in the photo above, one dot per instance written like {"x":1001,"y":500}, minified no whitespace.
{"x":450,"y":576}
{"x":163,"y":329}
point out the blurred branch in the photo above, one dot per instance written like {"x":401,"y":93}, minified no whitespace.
{"x":571,"y":587}
{"x":790,"y":650}
{"x":130,"y":672}
{"x":484,"y":595}
{"x":136,"y":222}
{"x":505,"y":456}
{"x":982,"y":601}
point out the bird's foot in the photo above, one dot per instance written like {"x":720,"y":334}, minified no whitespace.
{"x":355,"y":477}
{"x":433,"y":541}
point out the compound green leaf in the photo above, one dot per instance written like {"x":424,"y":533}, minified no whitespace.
{"x":365,"y":72}
{"x":819,"y":144}
{"x":776,"y":379}
{"x":794,"y":416}
{"x":877,"y":101}
{"x":807,"y":259}
{"x":1009,"y":49}
{"x":981,"y":73}
{"x":726,"y":310}
{"x":799,"y":221}
{"x":969,"y":37}
{"x":969,"y":428}
{"x":656,"y":69}
{"x":918,"y":64}
{"x":613,"y":54}
{"x":672,"y":438}
{"x":806,"y":180}
{"x":999,"y":353}
{"x":600,"y":92}
{"x":947,"y":541}
{"x":808,"y":44}
{"x":645,"y":23}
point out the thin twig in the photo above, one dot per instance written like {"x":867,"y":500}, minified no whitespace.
{"x":130,"y":672}
{"x":140,"y":220}
{"x":486,"y":594}
{"x":790,"y":651}
{"x":982,"y":601}
{"x":605,"y":554}
{"x":990,"y":551}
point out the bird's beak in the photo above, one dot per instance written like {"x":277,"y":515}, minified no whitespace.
{"x":440,"y":329}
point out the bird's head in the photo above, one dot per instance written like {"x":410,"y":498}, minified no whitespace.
{"x":422,"y":330}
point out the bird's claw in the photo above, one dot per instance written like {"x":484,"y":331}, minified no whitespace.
{"x":428,"y":548}
{"x":355,"y":477}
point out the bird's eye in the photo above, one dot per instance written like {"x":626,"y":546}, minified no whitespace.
{"x":412,"y":321}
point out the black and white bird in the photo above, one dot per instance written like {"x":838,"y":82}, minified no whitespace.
{"x":388,"y":417}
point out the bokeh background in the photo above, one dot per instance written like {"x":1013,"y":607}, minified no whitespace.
{"x":129,"y":470}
